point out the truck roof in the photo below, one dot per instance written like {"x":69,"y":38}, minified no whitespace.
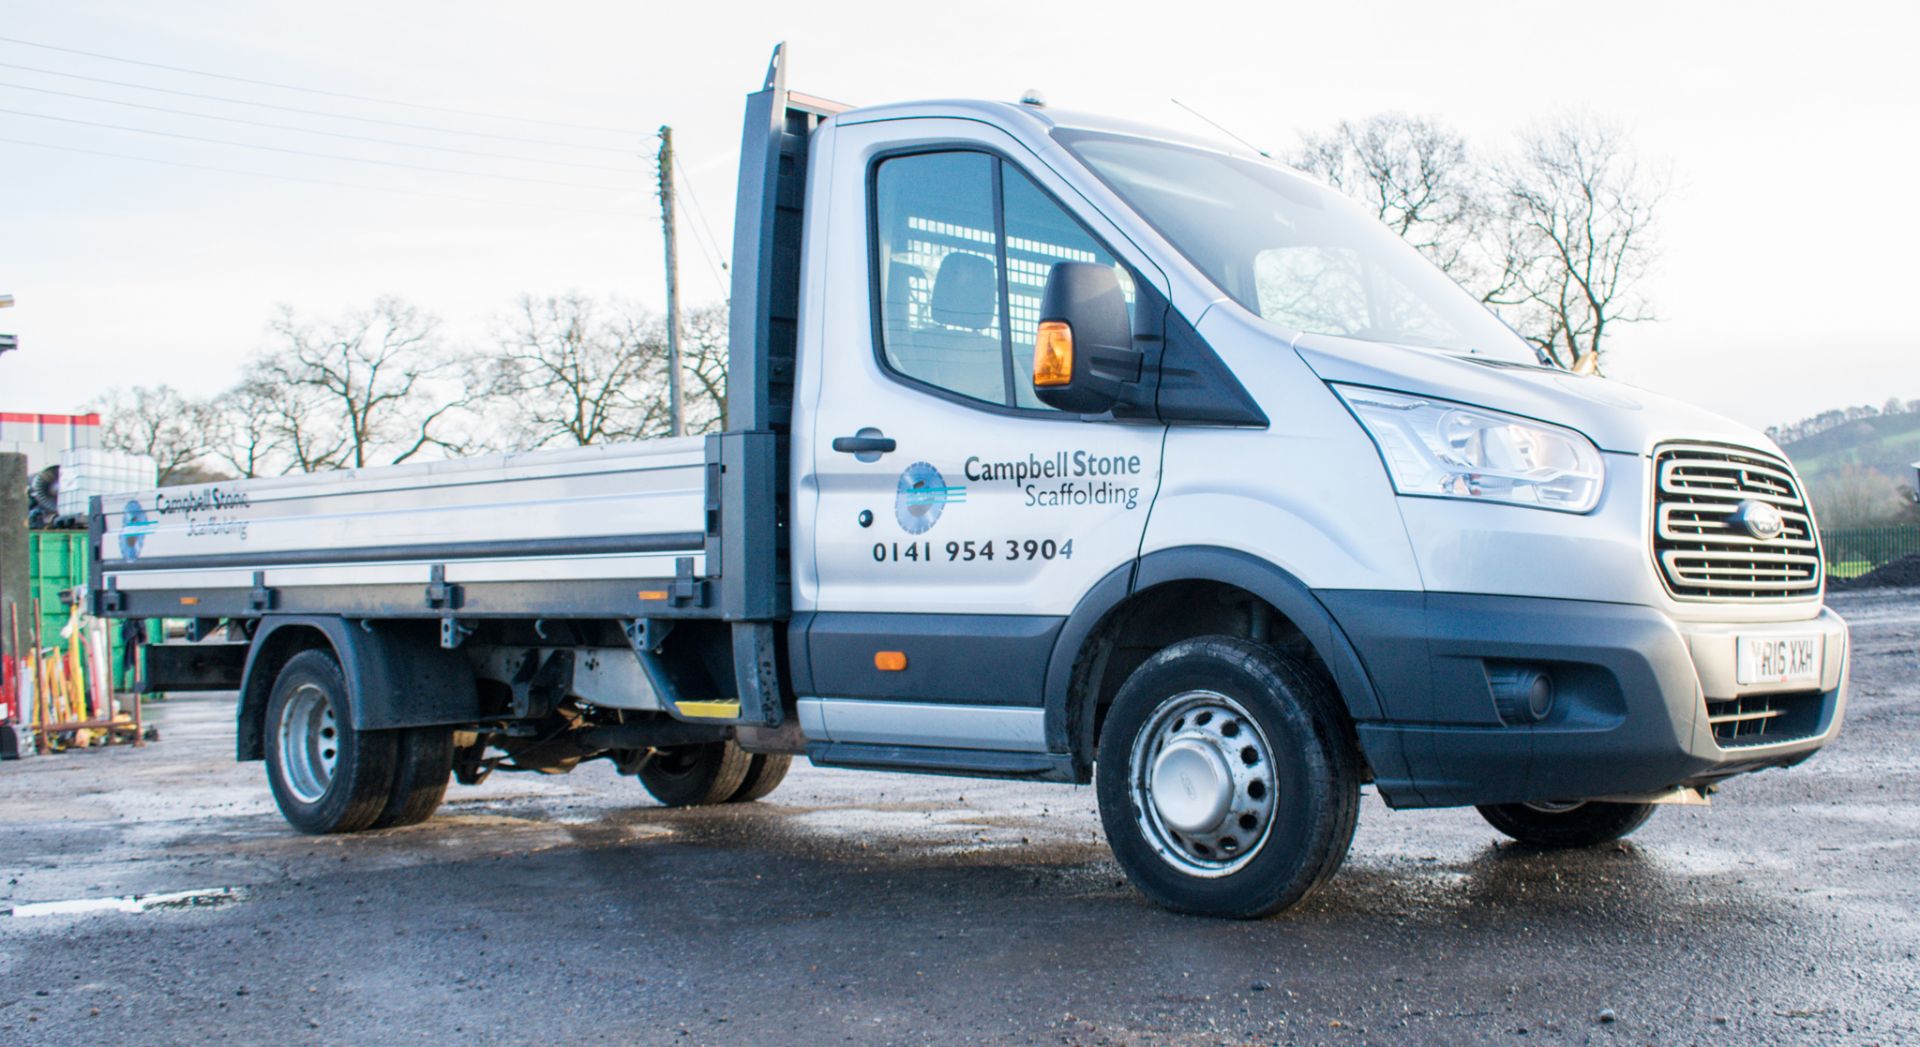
{"x":1039,"y":119}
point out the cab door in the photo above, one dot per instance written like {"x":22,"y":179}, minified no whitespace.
{"x":956,"y":520}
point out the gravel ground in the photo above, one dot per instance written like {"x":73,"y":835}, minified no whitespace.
{"x":897,"y":909}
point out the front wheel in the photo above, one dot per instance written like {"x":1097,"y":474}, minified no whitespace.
{"x":1572,"y":824}
{"x":1228,"y":780}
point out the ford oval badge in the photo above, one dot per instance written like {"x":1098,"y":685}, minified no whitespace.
{"x":1759,"y":519}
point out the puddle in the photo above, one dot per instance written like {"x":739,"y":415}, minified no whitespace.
{"x":209,"y":898}
{"x":478,"y":820}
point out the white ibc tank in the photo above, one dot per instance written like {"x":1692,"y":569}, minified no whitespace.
{"x":87,"y":471}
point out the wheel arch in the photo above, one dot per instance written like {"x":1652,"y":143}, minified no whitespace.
{"x":397,"y":674}
{"x":1176,"y":594}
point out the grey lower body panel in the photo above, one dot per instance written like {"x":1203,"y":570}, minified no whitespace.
{"x":966,"y":763}
{"x":931,"y":738}
{"x":944,"y":725}
{"x":1629,"y":716}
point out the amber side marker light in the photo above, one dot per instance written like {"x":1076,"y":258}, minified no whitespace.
{"x":1053,"y":354}
{"x":889,"y":661}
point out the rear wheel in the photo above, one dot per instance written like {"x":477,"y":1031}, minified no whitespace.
{"x":326,"y":776}
{"x":1571,"y":824}
{"x":763,"y":776}
{"x":420,"y":775}
{"x":1228,"y":781}
{"x":695,"y":775}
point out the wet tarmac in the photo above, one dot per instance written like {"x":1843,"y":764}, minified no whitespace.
{"x":875,"y":908}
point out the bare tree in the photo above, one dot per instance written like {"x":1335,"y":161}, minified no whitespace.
{"x":156,"y":421}
{"x":370,"y":384}
{"x":257,"y":432}
{"x":573,"y":371}
{"x":1415,"y":174}
{"x":1573,"y":225}
{"x":703,"y":352}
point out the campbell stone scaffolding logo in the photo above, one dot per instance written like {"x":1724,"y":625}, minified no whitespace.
{"x":133,"y":530}
{"x":921,"y":496}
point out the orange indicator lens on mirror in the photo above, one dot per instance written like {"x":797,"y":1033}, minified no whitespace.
{"x":1053,"y":354}
{"x":889,"y":661}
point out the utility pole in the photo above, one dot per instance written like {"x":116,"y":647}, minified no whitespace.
{"x":675,"y":424}
{"x":16,"y":605}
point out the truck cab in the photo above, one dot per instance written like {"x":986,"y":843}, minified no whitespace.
{"x":1066,"y":449}
{"x":1525,"y":586}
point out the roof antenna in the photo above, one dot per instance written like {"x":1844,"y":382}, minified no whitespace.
{"x":1222,"y":130}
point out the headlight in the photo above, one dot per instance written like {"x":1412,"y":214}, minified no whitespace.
{"x":1449,"y":450}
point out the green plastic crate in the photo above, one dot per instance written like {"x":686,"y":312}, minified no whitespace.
{"x":56,"y":562}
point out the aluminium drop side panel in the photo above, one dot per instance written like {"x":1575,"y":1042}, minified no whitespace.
{"x":564,"y":532}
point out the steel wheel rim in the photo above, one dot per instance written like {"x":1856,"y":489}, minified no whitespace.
{"x":1189,"y":738}
{"x":309,"y":743}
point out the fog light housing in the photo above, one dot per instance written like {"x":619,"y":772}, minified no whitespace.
{"x":1521,"y":693}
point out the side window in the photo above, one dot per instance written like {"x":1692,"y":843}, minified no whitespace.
{"x":964,"y":242}
{"x":1040,"y":233}
{"x":940,"y":272}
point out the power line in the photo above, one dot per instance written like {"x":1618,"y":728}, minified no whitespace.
{"x":314,"y":131}
{"x":315,"y":112}
{"x":321,"y":181}
{"x":321,"y":156}
{"x":700,"y":214}
{"x":699,"y":211}
{"x":316,"y":90}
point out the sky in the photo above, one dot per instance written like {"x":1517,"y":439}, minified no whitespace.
{"x":1785,"y":282}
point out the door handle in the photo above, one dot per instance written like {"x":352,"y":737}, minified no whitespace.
{"x":866,"y":442}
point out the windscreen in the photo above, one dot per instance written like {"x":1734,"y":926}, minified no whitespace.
{"x":1298,"y":254}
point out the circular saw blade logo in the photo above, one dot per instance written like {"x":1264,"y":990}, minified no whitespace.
{"x":922,"y":496}
{"x":133,"y":530}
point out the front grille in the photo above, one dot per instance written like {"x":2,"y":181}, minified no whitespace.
{"x":1764,"y":719}
{"x":1703,"y":553}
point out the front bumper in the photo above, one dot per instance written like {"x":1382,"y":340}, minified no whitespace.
{"x":1642,"y":703}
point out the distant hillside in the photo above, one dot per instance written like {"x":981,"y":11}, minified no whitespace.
{"x":1887,"y":442}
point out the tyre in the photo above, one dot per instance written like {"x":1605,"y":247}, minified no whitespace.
{"x":326,"y":776}
{"x":1559,"y":825}
{"x":1228,"y":779}
{"x":764,"y":775}
{"x":694,"y":775}
{"x":422,"y":767}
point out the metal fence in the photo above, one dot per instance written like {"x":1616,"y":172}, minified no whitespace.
{"x":1853,"y":551}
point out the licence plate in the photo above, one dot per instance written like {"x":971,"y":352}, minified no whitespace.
{"x":1777,"y":659}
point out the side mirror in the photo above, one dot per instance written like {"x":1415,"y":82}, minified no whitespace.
{"x":1083,"y":355}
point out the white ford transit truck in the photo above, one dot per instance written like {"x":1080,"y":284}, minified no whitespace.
{"x":1057,"y":448}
